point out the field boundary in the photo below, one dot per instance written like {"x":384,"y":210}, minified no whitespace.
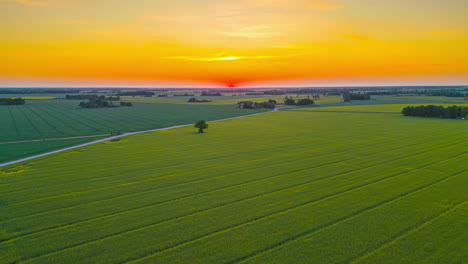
{"x":51,"y":139}
{"x":119,"y":136}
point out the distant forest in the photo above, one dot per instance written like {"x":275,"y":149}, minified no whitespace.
{"x":436,"y":111}
{"x":137,"y":93}
{"x":195,"y":100}
{"x":348,"y":97}
{"x":254,"y":105}
{"x":101,"y":104}
{"x":291,"y":101}
{"x":91,"y":97}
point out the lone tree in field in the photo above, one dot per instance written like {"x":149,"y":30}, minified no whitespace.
{"x":201,"y":125}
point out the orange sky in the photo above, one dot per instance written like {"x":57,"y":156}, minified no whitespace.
{"x":218,"y":43}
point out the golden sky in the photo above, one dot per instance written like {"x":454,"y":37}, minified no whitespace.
{"x":243,"y":43}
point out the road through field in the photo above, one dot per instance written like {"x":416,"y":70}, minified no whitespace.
{"x":111,"y":138}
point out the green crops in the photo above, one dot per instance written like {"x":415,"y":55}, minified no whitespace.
{"x":295,"y":186}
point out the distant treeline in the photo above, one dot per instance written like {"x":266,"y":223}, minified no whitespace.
{"x":205,"y":93}
{"x":274,"y":92}
{"x":91,"y":97}
{"x":137,"y":93}
{"x":254,"y":105}
{"x":36,"y":91}
{"x":449,"y":94}
{"x":435,"y":111}
{"x":101,"y":104}
{"x":12,"y":101}
{"x":96,"y":104}
{"x":126,"y":104}
{"x":428,"y":92}
{"x":195,"y":100}
{"x":291,"y":101}
{"x":348,"y":97}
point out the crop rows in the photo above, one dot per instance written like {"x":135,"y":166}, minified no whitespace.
{"x":328,"y":190}
{"x":59,"y":118}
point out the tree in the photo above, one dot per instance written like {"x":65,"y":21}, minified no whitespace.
{"x":289,"y":101}
{"x":201,"y":125}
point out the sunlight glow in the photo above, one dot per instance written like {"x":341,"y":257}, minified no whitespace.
{"x":226,"y":41}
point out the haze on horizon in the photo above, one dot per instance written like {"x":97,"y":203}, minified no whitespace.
{"x":241,"y":43}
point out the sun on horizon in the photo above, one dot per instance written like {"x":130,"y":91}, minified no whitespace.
{"x":242,"y":43}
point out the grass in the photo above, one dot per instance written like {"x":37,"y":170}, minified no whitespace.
{"x":16,"y":151}
{"x":46,"y":119}
{"x":298,"y":186}
{"x":40,"y":119}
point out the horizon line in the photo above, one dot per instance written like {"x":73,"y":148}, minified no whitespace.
{"x":230,"y":88}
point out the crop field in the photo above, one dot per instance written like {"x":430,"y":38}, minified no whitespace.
{"x":16,"y":151}
{"x":226,"y":100}
{"x":346,"y":109}
{"x":455,"y":100}
{"x":63,"y":118}
{"x":292,"y":186}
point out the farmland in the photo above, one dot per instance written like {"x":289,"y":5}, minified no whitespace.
{"x":226,"y":100}
{"x":40,"y":119}
{"x":343,"y":184}
{"x":48,"y":119}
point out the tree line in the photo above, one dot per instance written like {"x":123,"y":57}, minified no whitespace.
{"x":449,"y":94}
{"x":91,"y":97}
{"x":348,"y":97}
{"x":195,"y":100}
{"x":101,"y":104}
{"x":126,"y":104}
{"x":206,"y":93}
{"x":12,"y":101}
{"x":135,"y":93}
{"x":436,"y":111}
{"x":291,"y":101}
{"x":254,"y":105}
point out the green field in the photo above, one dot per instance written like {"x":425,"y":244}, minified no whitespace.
{"x":351,"y":184}
{"x":226,"y":100}
{"x":40,"y":119}
{"x":16,"y":151}
{"x":46,"y":119}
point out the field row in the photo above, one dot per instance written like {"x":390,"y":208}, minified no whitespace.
{"x":62,"y":118}
{"x":287,"y":185}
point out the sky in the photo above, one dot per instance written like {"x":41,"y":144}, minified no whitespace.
{"x":232,"y":43}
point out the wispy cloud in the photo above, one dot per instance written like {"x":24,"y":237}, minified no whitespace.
{"x":28,"y":2}
{"x":81,"y":22}
{"x":448,"y":33}
{"x":315,"y":4}
{"x":325,"y":4}
{"x":217,"y":58}
{"x":356,"y":37}
{"x":251,"y":32}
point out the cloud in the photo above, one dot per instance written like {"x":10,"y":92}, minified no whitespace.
{"x":325,"y":5}
{"x":28,"y":2}
{"x":81,"y":22}
{"x":448,"y":33}
{"x":217,"y":58}
{"x":356,"y":37}
{"x":314,"y":4}
{"x":251,"y":32}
